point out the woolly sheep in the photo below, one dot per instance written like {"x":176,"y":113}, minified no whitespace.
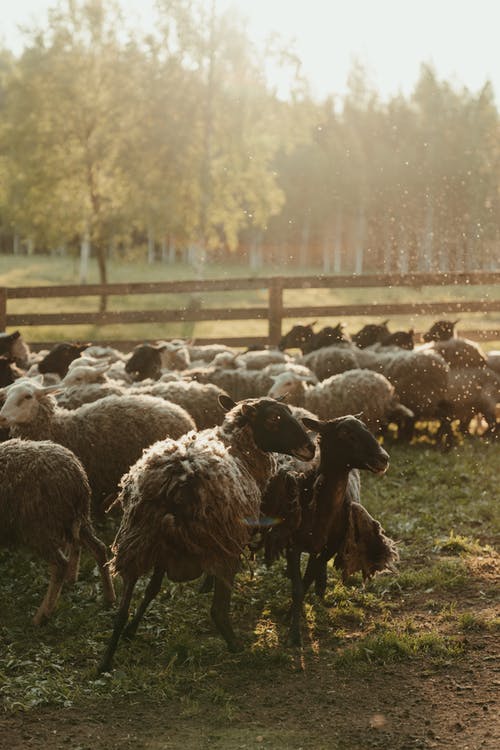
{"x":107,"y":435}
{"x":349,"y":392}
{"x":190,"y":506}
{"x":59,"y":358}
{"x":45,"y":506}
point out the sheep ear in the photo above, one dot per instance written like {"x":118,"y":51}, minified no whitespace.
{"x":226,"y":402}
{"x":312,"y":424}
{"x":248,"y":410}
{"x":358,"y":415}
{"x":282,"y":398}
{"x":48,"y":389}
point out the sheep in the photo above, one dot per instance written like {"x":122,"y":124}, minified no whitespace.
{"x":326,"y":337}
{"x":458,"y":352}
{"x":59,"y":357}
{"x":401,"y":339}
{"x":107,"y":435}
{"x":201,"y":401}
{"x":322,"y":515}
{"x":441,"y":330}
{"x":15,"y":348}
{"x":331,"y":360}
{"x":370,"y":334}
{"x":472,"y":392}
{"x":45,"y":506}
{"x":348,"y":392}
{"x":297,"y":337}
{"x":148,"y":360}
{"x":258,"y":360}
{"x":190,"y":506}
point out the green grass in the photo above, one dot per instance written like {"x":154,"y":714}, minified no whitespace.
{"x":41,"y":270}
{"x":439,"y":593}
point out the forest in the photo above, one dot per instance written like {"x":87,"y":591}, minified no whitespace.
{"x":174,"y":145}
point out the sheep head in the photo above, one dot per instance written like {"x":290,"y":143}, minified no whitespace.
{"x":21,"y":401}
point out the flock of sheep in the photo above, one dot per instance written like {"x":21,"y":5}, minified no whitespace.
{"x":197,"y":450}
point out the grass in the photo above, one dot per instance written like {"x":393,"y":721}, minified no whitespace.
{"x":442,"y":590}
{"x":41,"y":270}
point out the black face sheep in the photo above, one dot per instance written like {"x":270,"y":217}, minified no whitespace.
{"x":328,"y":522}
{"x":107,"y":435}
{"x":9,"y":372}
{"x":45,"y":506}
{"x":371,"y":333}
{"x":441,"y":330}
{"x":400,"y":339}
{"x":13,"y":346}
{"x":190,"y":506}
{"x":60,"y":357}
{"x":297,"y":337}
{"x":326,"y":337}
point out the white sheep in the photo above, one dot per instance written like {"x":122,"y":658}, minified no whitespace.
{"x":350,"y":392}
{"x":107,"y":435}
{"x":45,"y":506}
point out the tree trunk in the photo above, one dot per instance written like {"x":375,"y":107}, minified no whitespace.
{"x":304,"y":243}
{"x":360,"y":239}
{"x":151,"y":246}
{"x":84,"y":258}
{"x":337,"y":247}
{"x":103,"y":274}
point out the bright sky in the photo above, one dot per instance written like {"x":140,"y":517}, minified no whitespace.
{"x":391,"y":38}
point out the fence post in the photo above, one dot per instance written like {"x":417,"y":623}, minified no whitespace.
{"x":275,"y":310}
{"x":3,"y":308}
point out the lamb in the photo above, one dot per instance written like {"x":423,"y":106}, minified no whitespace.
{"x":45,"y":506}
{"x":349,"y":392}
{"x":107,"y":435}
{"x":441,"y":330}
{"x":15,"y":348}
{"x":322,"y":515}
{"x":190,"y":506}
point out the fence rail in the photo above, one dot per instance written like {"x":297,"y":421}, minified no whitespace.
{"x":275,"y":312}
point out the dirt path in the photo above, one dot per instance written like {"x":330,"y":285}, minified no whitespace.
{"x":398,"y":707}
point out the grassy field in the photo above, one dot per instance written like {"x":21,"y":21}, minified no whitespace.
{"x":395,"y":649}
{"x":29,"y":271}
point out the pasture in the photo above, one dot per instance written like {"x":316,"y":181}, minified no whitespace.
{"x":409,"y":661}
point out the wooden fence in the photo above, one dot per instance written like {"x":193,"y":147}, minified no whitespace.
{"x":275,"y":312}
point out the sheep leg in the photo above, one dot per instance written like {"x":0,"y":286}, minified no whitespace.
{"x":152,"y":589}
{"x":98,"y":550}
{"x":220,"y":612}
{"x":74,"y":555}
{"x":207,"y":585}
{"x":58,"y":570}
{"x":316,"y":571}
{"x":293,"y":563}
{"x":120,"y":622}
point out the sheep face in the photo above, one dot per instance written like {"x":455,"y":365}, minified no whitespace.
{"x":346,"y":442}
{"x":441,"y":330}
{"x":370,"y":334}
{"x":273,"y":425}
{"x":297,"y":337}
{"x":22,"y":402}
{"x":60,"y":357}
{"x":144,"y":363}
{"x":85,"y":374}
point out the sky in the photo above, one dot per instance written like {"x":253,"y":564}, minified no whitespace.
{"x":390,"y":38}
